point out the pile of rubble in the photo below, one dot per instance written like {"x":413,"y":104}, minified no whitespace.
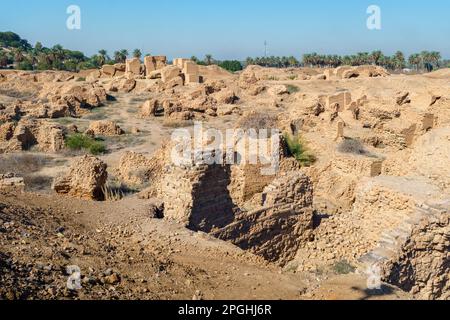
{"x":27,"y":134}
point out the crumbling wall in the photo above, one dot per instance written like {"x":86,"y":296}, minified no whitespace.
{"x":284,"y":221}
{"x":43,"y":135}
{"x":422,"y":264}
{"x":247,"y":181}
{"x":336,"y":181}
{"x":198,"y":196}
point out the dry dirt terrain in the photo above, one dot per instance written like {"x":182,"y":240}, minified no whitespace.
{"x":361,"y":195}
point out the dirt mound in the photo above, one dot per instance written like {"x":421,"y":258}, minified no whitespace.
{"x":439,"y":74}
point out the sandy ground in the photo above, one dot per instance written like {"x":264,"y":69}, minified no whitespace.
{"x":154,"y":259}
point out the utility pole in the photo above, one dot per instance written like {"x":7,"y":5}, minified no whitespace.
{"x":265,"y":49}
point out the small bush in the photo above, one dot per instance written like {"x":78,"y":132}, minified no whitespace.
{"x":25,"y":65}
{"x":115,"y":190}
{"x":343,"y":267}
{"x":352,"y":146}
{"x":258,"y":121}
{"x":293,"y":77}
{"x":36,"y":182}
{"x":80,"y":79}
{"x":83,"y":142}
{"x":299,"y":151}
{"x":292,"y":89}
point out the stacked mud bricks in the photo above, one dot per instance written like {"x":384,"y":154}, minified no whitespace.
{"x":190,"y":70}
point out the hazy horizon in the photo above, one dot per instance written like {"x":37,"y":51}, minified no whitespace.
{"x":235,"y":29}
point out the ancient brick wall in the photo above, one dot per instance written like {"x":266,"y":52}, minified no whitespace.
{"x":284,"y":221}
{"x":247,"y":181}
{"x":198,"y":196}
{"x":422,"y":263}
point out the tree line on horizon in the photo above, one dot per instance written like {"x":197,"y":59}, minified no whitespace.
{"x":17,"y":52}
{"x":419,"y":61}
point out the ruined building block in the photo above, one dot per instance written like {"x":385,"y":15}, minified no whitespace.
{"x":190,"y":67}
{"x":329,"y":74}
{"x":356,"y":165}
{"x":198,"y":196}
{"x":247,"y":181}
{"x":276,"y":230}
{"x":133,"y":66}
{"x":161,"y":61}
{"x":179,"y":62}
{"x":149,"y":64}
{"x":153,"y":63}
{"x":344,"y":99}
{"x":191,"y":78}
{"x":340,"y":130}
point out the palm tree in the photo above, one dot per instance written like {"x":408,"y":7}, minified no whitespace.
{"x":309,"y":59}
{"x":346,"y":60}
{"x":19,"y":55}
{"x":137,"y":53}
{"x":3,"y":59}
{"x":120,"y":56}
{"x":415,"y":60}
{"x":194,"y":58}
{"x":362,"y":58}
{"x":426,"y":59}
{"x":435,"y":57}
{"x":399,"y":60}
{"x":208,"y":59}
{"x":102,"y":57}
{"x":117,"y":56}
{"x":292,"y":61}
{"x":125,"y":54}
{"x":249,"y":61}
{"x":58,"y":52}
{"x":376,"y":56}
{"x":38,"y":47}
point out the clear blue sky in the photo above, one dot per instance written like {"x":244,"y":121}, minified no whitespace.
{"x":233,"y":28}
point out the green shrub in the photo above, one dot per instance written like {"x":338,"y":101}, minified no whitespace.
{"x":343,"y":267}
{"x":299,"y":151}
{"x":25,"y":65}
{"x":292,"y":89}
{"x":231,"y":65}
{"x":80,"y":141}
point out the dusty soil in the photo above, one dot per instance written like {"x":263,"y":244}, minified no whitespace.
{"x":149,"y":259}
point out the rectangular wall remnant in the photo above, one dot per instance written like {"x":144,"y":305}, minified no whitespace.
{"x":428,"y":121}
{"x":343,"y":99}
